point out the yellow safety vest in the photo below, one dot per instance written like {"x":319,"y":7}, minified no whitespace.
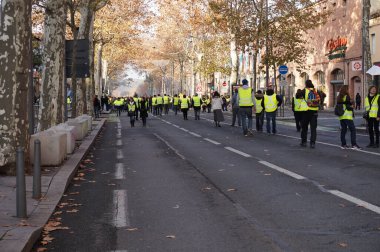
{"x":118,"y":103}
{"x":374,"y":107}
{"x":245,"y":97}
{"x":166,"y":99}
{"x":176,"y":101}
{"x":154,"y":101}
{"x":132,"y":107}
{"x":307,"y":95}
{"x":300,"y":105}
{"x":197,"y":101}
{"x":68,"y":100}
{"x":259,"y":107}
{"x":159,"y":100}
{"x":136,"y":101}
{"x":184,"y":103}
{"x":270,"y":103}
{"x":348,"y":115}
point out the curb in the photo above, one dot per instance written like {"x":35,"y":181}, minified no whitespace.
{"x":24,"y":238}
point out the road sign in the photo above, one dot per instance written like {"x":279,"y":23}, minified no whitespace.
{"x":283,"y":69}
{"x":224,"y":84}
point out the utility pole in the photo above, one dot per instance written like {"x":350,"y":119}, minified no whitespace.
{"x":366,"y":50}
{"x":266,"y":44}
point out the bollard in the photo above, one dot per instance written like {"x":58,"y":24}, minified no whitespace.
{"x":20,"y":184}
{"x":37,"y":170}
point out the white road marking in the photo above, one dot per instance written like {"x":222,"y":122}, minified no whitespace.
{"x":119,"y":142}
{"x":332,"y":145}
{"x":238,"y":152}
{"x":176,"y":126}
{"x":120,"y":171}
{"x":194,"y":134}
{"x":119,"y":131}
{"x":120,"y":215}
{"x":184,"y":129}
{"x":211,"y":141}
{"x":171,"y":147}
{"x":282,"y":170}
{"x":119,"y":154}
{"x":357,"y":201}
{"x":118,"y":136}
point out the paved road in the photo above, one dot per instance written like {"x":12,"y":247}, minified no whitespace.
{"x":188,"y":186}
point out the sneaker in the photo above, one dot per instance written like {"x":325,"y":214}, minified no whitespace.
{"x":312,"y":145}
{"x":370,"y":146}
{"x":356,"y":147}
{"x":344,"y":147}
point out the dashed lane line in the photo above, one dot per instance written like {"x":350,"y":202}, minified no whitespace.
{"x":356,"y":201}
{"x":183,"y":129}
{"x":120,"y":171}
{"x":119,"y":142}
{"x":282,"y":170}
{"x":194,"y":134}
{"x":238,"y":152}
{"x":119,"y":154}
{"x":120,"y":215}
{"x":212,"y":141}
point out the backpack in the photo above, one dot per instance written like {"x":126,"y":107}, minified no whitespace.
{"x":339,"y":110}
{"x":313,"y":99}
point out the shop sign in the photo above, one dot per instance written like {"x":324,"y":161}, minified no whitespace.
{"x":356,"y":65}
{"x":336,"y":48}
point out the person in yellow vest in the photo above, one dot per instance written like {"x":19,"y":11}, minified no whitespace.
{"x":160,"y":103}
{"x":184,"y":102}
{"x":204,"y":104}
{"x":208,"y":104}
{"x":259,"y":110}
{"x":271,"y":104}
{"x":310,"y":116}
{"x":299,"y":106}
{"x":136,"y":100}
{"x":154,"y":104}
{"x":347,"y":119}
{"x":372,"y":104}
{"x":197,"y":106}
{"x":175,"y":104}
{"x":132,"y":107}
{"x":166,"y":104}
{"x":118,"y":105}
{"x":68,"y":102}
{"x":245,"y":101}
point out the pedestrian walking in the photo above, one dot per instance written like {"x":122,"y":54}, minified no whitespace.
{"x":144,"y":110}
{"x":372,"y":104}
{"x":347,"y":119}
{"x":216,"y":106}
{"x":224,"y":103}
{"x":160,"y":103}
{"x":259,"y":110}
{"x":358,"y":101}
{"x":132,"y":111}
{"x":118,"y":103}
{"x":97,"y":106}
{"x":271,"y":103}
{"x":137,"y":104}
{"x":235,"y":109}
{"x":310,"y":116}
{"x":196,"y":102}
{"x":245,"y":101}
{"x":208,"y":104}
{"x":299,"y":106}
{"x":175,"y":104}
{"x":184,"y":102}
{"x":166,"y":104}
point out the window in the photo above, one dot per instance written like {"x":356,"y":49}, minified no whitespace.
{"x":337,"y":74}
{"x":373,"y":43}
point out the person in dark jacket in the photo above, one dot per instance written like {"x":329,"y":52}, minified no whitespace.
{"x":358,"y":101}
{"x":259,"y":110}
{"x":97,"y":106}
{"x":235,"y":109}
{"x":144,"y":107}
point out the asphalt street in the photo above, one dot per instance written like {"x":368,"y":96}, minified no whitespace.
{"x":188,"y":186}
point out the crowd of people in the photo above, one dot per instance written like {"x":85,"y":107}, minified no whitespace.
{"x":264,"y":104}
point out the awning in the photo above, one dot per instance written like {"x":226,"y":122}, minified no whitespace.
{"x":374,"y":70}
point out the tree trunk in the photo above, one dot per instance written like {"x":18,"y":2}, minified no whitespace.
{"x":367,"y":62}
{"x":234,"y":61}
{"x":51,"y":99}
{"x":255,"y":88}
{"x":15,"y":62}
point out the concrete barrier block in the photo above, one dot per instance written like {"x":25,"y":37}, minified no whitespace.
{"x":89,"y":121}
{"x":70,"y":135}
{"x":81,"y":127}
{"x":53,"y":147}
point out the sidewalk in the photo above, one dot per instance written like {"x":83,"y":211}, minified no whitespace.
{"x":20,"y":235}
